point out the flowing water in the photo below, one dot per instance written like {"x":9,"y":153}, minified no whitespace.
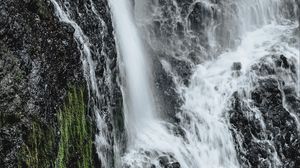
{"x":207,"y":139}
{"x":240,"y":32}
{"x":141,"y":109}
{"x":103,"y":138}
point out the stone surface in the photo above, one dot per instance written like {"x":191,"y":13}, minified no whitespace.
{"x":264,"y":124}
{"x":40,"y":59}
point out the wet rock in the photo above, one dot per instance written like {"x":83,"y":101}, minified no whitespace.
{"x":68,"y":28}
{"x":265,"y":126}
{"x":175,"y":165}
{"x":200,"y":16}
{"x":298,"y":13}
{"x":166,"y":96}
{"x":163,"y":160}
{"x":35,"y":71}
{"x":168,"y":161}
{"x":236,"y":66}
{"x":282,"y":62}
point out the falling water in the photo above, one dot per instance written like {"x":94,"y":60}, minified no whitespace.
{"x":202,"y":138}
{"x":102,"y":138}
{"x":139,"y":97}
{"x":206,"y":139}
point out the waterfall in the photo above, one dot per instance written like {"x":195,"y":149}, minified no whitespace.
{"x":134,"y":61}
{"x":203,"y":137}
{"x":221,"y":43}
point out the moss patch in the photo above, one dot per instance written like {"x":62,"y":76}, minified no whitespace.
{"x":68,"y":146}
{"x":38,"y":148}
{"x":75,"y":146}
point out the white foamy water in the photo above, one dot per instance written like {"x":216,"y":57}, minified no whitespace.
{"x":212,"y":85}
{"x":139,"y":97}
{"x":207,"y":142}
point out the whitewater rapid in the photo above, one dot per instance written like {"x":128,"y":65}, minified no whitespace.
{"x":203,"y":137}
{"x":205,"y":140}
{"x":208,"y":141}
{"x":214,"y":82}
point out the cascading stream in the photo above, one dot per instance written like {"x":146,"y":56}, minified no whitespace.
{"x":203,"y":136}
{"x":141,"y":109}
{"x":206,"y":140}
{"x":150,"y":135}
{"x":102,"y":140}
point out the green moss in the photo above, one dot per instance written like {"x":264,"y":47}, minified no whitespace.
{"x":69,"y":147}
{"x":37,"y":151}
{"x":75,"y":146}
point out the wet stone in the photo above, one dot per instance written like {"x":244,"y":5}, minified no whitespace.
{"x":163,"y":160}
{"x":276,"y":125}
{"x":236,"y":66}
{"x":175,"y":165}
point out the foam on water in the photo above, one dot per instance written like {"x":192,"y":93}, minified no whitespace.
{"x":207,"y":141}
{"x":202,"y":139}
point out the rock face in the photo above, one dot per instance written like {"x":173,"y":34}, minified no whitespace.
{"x":40,"y":60}
{"x":94,"y":19}
{"x":265,"y":125}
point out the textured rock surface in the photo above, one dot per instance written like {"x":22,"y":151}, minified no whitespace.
{"x":94,"y":19}
{"x":38,"y":58}
{"x":264,"y":123}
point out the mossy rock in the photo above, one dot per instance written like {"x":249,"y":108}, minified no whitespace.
{"x":39,"y":147}
{"x":68,"y":146}
{"x":75,"y":145}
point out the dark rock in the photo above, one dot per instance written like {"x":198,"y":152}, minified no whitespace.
{"x":163,"y":160}
{"x":282,"y":62}
{"x":167,"y":161}
{"x":39,"y":60}
{"x":175,"y":165}
{"x":166,"y":96}
{"x":236,"y":66}
{"x":34,"y":73}
{"x":200,"y":16}
{"x":273,"y":107}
